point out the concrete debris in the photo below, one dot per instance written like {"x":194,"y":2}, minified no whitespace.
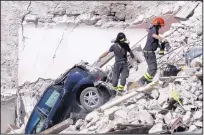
{"x":156,"y":129}
{"x":167,"y":118}
{"x":187,"y":117}
{"x":121,"y":114}
{"x":155,"y":94}
{"x":84,"y":131}
{"x":139,"y":109}
{"x":146,"y":117}
{"x":192,"y":128}
{"x":90,"y":116}
{"x":198,"y":115}
{"x":79,"y":123}
{"x":198,"y":124}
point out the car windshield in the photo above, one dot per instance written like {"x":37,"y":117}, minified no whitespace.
{"x":42,"y":111}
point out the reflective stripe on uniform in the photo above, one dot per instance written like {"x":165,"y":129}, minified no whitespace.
{"x":115,"y":88}
{"x":148,"y":76}
{"x":120,"y":87}
{"x":161,"y":51}
{"x":123,"y":39}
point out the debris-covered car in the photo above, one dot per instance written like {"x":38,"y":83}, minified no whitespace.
{"x":74,"y":94}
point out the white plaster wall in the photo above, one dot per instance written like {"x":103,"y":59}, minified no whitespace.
{"x":85,"y":43}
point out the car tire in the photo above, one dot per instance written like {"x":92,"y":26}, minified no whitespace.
{"x":85,"y":98}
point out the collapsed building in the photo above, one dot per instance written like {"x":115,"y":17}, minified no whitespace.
{"x":153,"y":111}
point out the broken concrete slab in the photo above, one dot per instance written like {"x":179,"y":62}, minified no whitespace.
{"x":110,"y":111}
{"x":155,"y":94}
{"x":92,"y":128}
{"x":158,"y":128}
{"x":146,"y":117}
{"x":79,"y":123}
{"x":198,"y":124}
{"x":91,"y":115}
{"x":104,"y":127}
{"x":186,"y":10}
{"x":132,"y":114}
{"x":187,"y":117}
{"x":168,"y":117}
{"x":192,"y":128}
{"x":120,"y":114}
{"x":198,"y":115}
{"x":84,"y":131}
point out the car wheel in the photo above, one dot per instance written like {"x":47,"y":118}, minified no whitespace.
{"x":91,"y":99}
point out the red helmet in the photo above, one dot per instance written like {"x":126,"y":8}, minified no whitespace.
{"x":158,"y":21}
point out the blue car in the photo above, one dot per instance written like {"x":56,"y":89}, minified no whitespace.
{"x":73,"y":95}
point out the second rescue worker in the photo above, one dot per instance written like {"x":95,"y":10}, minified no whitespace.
{"x":151,"y":46}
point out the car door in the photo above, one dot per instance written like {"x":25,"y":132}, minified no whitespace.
{"x":44,"y":110}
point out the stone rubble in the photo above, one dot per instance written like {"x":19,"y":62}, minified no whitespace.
{"x":134,"y":111}
{"x":139,"y":114}
{"x":148,"y":111}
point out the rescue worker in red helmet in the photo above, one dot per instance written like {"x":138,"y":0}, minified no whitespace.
{"x":151,"y":46}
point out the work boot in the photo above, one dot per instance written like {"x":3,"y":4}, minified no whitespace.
{"x":120,"y":90}
{"x":115,"y":88}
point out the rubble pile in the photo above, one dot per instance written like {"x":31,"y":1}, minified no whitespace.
{"x":155,"y":108}
{"x":186,"y":33}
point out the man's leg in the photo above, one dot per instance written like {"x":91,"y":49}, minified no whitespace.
{"x":152,"y":68}
{"x":142,"y":80}
{"x":124,"y":75}
{"x":116,"y":75}
{"x":151,"y":71}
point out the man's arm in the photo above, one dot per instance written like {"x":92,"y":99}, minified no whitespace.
{"x":159,"y":38}
{"x":107,"y":52}
{"x":104,"y":55}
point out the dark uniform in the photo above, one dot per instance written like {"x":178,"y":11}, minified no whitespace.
{"x":151,"y":45}
{"x":121,"y":66}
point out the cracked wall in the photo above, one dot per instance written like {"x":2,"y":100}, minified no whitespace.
{"x":18,"y":16}
{"x":50,"y":52}
{"x":48,"y":14}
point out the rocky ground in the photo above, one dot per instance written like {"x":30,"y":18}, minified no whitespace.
{"x":146,"y":110}
{"x":149,"y":111}
{"x":108,"y":14}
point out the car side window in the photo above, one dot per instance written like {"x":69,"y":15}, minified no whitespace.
{"x":42,"y":110}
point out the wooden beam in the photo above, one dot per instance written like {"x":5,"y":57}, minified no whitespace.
{"x":59,"y":127}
